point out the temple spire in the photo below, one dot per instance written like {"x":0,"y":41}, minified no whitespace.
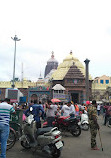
{"x":52,"y":56}
{"x":40,"y":77}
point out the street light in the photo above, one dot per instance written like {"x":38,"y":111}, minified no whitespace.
{"x":15,"y":39}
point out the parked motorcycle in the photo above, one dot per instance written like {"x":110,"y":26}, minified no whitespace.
{"x":47,"y":140}
{"x":84,"y":124}
{"x":67,"y":124}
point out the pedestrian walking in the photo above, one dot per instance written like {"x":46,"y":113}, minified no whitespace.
{"x":98,"y":109}
{"x":37,"y":112}
{"x":5,"y":110}
{"x":65,"y":110}
{"x":71,"y":109}
{"x":107,"y":115}
{"x":94,"y":126}
{"x":76,"y":109}
{"x":50,"y":113}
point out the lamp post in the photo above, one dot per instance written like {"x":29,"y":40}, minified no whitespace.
{"x":15,"y":39}
{"x":87,"y":78}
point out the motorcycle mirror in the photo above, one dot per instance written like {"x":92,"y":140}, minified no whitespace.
{"x":31,"y":108}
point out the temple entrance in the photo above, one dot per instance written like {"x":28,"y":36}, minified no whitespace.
{"x":44,"y":98}
{"x":75,"y":97}
{"x":34,"y":97}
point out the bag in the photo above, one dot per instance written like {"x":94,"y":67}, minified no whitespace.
{"x":29,"y":119}
{"x":23,"y":117}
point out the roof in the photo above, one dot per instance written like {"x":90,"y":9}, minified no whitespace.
{"x":58,"y":87}
{"x":64,"y":67}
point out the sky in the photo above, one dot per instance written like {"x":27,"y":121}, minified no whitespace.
{"x":83,"y":26}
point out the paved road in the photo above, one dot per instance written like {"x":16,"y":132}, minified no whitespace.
{"x":74,"y":147}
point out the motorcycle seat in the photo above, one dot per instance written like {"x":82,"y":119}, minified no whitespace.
{"x":41,"y":131}
{"x":66,"y":120}
{"x":72,"y":118}
{"x":69,"y":119}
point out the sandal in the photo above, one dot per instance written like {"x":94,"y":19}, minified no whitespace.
{"x":95,"y":148}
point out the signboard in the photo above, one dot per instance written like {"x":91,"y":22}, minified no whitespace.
{"x":59,"y":96}
{"x":12,"y":94}
{"x":23,"y":99}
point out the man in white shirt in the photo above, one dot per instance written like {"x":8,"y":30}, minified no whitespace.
{"x":65,"y":110}
{"x":98,"y":109}
{"x":50,"y":113}
{"x":71,"y":109}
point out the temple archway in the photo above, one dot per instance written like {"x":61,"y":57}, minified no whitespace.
{"x":34,"y":97}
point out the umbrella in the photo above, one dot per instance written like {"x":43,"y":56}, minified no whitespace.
{"x":55,"y":100}
{"x":88,"y":103}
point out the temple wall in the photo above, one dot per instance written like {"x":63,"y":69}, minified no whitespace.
{"x":25,"y":84}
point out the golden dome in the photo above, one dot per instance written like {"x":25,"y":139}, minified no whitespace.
{"x":63,"y":68}
{"x":70,"y":57}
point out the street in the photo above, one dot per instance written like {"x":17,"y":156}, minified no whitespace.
{"x":74,"y":147}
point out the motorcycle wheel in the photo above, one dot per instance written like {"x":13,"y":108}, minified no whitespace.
{"x":76,"y":131}
{"x":25,"y":143}
{"x":11,"y":139}
{"x":85,"y":126}
{"x":56,"y":153}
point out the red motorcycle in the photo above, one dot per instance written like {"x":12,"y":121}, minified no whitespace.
{"x":67,"y":124}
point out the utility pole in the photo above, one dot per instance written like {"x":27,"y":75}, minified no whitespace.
{"x":22,"y":76}
{"x":15,"y":39}
{"x":87,"y":79}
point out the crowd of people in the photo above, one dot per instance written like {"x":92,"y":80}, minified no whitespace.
{"x":48,"y":111}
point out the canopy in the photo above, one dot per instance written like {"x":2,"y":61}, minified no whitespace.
{"x":58,"y":87}
{"x":55,"y":100}
{"x":106,"y":101}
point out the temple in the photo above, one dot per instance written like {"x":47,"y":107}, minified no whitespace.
{"x":52,"y":63}
{"x":71,"y":75}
